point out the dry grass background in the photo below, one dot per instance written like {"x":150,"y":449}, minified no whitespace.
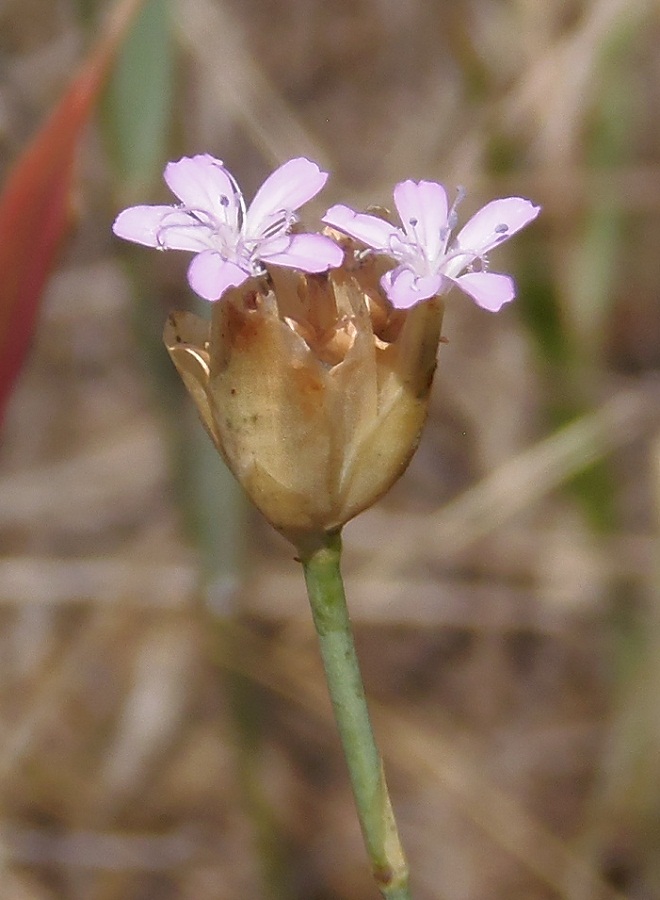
{"x":164,"y":729}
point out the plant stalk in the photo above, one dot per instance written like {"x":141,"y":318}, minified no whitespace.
{"x":326,"y":595}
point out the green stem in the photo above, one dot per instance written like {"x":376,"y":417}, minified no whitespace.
{"x":326,"y":595}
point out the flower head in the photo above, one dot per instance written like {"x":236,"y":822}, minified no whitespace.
{"x":231,"y":243}
{"x":313,"y":388}
{"x":428,"y":264}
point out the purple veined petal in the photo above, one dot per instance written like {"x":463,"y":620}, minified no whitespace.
{"x":309,"y":252}
{"x":370,"y":230}
{"x":495,"y":223}
{"x":404,"y":288}
{"x":210,"y":274}
{"x":164,"y":227}
{"x":202,"y":183}
{"x":423,"y":208}
{"x":488,"y":289}
{"x":286,"y":189}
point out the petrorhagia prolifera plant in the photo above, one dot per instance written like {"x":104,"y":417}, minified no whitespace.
{"x":314,"y":373}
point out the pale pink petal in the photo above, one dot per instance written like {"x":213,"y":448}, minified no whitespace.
{"x":202,"y":183}
{"x":209,"y":275}
{"x":285,"y":190}
{"x":488,"y":290}
{"x":404,"y":288}
{"x":369,"y":230}
{"x":495,"y":223}
{"x":309,"y":252}
{"x":164,"y":227}
{"x":423,"y":208}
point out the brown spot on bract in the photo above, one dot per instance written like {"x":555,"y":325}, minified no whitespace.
{"x":307,"y":380}
{"x":243,"y":328}
{"x":309,"y":388}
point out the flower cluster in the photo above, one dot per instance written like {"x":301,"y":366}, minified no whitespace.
{"x":313,"y":375}
{"x":232,"y":242}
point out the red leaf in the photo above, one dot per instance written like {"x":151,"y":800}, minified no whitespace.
{"x":35,"y":212}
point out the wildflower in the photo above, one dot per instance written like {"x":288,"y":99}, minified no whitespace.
{"x":232,"y":243}
{"x":313,"y":375}
{"x":427,"y":264}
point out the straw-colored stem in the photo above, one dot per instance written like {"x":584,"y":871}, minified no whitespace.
{"x":328,"y":602}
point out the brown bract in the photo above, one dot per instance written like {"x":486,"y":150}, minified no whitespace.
{"x":313,"y":388}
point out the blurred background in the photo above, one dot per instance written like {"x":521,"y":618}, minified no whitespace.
{"x":164,"y":727}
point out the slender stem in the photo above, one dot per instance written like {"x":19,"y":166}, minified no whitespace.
{"x":326,"y":595}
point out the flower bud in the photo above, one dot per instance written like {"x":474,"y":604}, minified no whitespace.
{"x":313,"y":388}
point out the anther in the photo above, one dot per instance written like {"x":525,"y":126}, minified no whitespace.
{"x":452,"y":217}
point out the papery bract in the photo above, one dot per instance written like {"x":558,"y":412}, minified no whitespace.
{"x":314,"y":390}
{"x":231,"y":242}
{"x":427,"y":264}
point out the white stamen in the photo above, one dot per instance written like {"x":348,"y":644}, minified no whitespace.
{"x":238,"y":196}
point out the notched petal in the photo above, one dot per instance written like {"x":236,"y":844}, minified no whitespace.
{"x":308,"y":252}
{"x":141,"y":224}
{"x":370,"y":230}
{"x":423,"y":208}
{"x":210,"y":275}
{"x":489,"y":290}
{"x":285,"y":190}
{"x":202,"y":183}
{"x":495,"y":223}
{"x":404,"y":288}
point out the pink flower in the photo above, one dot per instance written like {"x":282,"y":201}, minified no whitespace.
{"x":231,"y":243}
{"x":426,"y":264}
